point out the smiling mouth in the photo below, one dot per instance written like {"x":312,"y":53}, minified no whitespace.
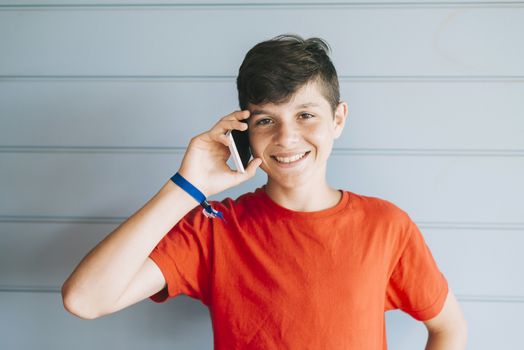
{"x":292,"y":159}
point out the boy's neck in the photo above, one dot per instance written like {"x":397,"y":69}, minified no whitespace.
{"x":304,"y":199}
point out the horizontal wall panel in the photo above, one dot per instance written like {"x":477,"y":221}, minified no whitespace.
{"x":490,"y":326}
{"x":172,"y":325}
{"x":17,"y":3}
{"x":145,"y":113}
{"x":85,"y":184}
{"x":438,"y":189}
{"x":43,"y":255}
{"x":478,"y":263}
{"x":367,"y":41}
{"x":143,"y":326}
{"x":432,"y":189}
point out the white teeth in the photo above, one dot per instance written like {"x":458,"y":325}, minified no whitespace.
{"x":290,"y":159}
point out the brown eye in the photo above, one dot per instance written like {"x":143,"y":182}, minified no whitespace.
{"x":263,"y":121}
{"x":307,"y":116}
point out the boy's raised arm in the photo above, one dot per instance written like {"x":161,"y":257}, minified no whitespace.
{"x":118,"y":272}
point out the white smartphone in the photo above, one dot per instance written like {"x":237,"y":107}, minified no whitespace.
{"x":234,"y":153}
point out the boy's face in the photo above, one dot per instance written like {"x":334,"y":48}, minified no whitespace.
{"x":294,"y":139}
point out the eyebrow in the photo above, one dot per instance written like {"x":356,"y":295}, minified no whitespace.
{"x":304,"y":105}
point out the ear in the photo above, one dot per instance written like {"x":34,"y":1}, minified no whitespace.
{"x":340,"y":117}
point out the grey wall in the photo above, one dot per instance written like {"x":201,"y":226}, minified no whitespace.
{"x":94,"y":107}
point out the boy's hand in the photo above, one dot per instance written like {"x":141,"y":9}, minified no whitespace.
{"x":204,"y":163}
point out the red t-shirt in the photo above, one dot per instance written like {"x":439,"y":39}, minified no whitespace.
{"x":275,"y":278}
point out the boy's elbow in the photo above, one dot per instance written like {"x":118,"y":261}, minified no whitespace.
{"x":77,"y":305}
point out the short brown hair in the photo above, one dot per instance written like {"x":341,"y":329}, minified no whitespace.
{"x":274,"y":70}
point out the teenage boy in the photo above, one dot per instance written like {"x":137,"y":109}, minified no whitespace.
{"x":296,"y":264}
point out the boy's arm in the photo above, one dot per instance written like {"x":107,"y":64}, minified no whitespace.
{"x":447,"y":330}
{"x":120,"y":262}
{"x":118,"y":271}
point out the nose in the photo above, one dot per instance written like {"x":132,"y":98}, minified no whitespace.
{"x":286,"y":134}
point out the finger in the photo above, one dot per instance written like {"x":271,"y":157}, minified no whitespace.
{"x":219,"y":137}
{"x":251,"y":168}
{"x":235,"y":125}
{"x":229,"y":124}
{"x":238,"y":115}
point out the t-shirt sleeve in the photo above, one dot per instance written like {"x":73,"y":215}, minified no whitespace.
{"x":416,"y":285}
{"x":183,"y":256}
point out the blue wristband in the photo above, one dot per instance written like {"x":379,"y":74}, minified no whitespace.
{"x":197,"y":195}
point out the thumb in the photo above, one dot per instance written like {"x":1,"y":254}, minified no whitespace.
{"x":252,"y":168}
